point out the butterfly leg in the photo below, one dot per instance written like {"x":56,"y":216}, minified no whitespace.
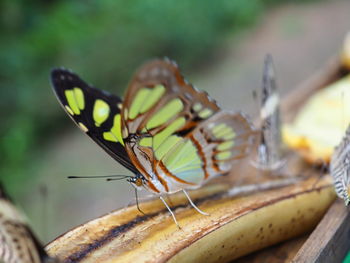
{"x":193,"y":205}
{"x":137,"y":202}
{"x":171,"y":212}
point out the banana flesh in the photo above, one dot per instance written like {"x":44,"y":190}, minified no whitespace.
{"x":319,"y":125}
{"x":238,"y":224}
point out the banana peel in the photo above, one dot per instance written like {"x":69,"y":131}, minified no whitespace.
{"x":238,"y":224}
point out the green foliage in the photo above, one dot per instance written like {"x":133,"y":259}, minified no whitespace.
{"x":102,"y":40}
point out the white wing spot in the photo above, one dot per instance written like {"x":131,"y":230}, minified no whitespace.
{"x":83,"y":127}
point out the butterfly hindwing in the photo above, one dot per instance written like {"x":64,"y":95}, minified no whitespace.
{"x":210,"y":149}
{"x":224,"y":138}
{"x":96,"y":112}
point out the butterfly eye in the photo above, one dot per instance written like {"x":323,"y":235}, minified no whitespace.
{"x":138,"y":182}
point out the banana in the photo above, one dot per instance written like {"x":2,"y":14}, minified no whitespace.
{"x":240,"y":222}
{"x":319,"y":125}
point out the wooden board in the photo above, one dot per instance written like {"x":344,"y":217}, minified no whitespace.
{"x":330,"y":241}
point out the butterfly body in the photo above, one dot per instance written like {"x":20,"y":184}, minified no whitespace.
{"x":169,"y":134}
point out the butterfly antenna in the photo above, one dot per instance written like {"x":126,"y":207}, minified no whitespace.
{"x":170,"y":211}
{"x":117,"y":179}
{"x":101,"y":176}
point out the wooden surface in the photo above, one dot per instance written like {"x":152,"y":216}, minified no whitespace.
{"x":330,"y":241}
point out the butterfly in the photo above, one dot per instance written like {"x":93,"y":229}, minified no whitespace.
{"x":340,"y":167}
{"x":170,"y":135}
{"x":269,"y":150}
{"x":18,"y":243}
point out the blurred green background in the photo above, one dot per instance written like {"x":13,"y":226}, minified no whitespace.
{"x":219,"y":45}
{"x":105,"y":41}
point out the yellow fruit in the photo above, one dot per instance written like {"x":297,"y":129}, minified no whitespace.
{"x":236,"y":226}
{"x":321,"y":122}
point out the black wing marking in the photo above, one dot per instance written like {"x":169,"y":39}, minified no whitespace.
{"x":63,"y":80}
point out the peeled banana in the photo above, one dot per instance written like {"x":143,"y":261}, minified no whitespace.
{"x":239,"y":223}
{"x":320,"y":123}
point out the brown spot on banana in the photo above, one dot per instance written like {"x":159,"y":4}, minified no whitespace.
{"x":237,"y":225}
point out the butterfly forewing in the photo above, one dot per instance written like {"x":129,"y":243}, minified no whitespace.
{"x":158,"y":95}
{"x":269,"y":149}
{"x":18,"y":243}
{"x":96,"y":112}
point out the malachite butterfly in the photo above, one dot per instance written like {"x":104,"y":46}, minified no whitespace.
{"x":18,"y":244}
{"x":170,"y":135}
